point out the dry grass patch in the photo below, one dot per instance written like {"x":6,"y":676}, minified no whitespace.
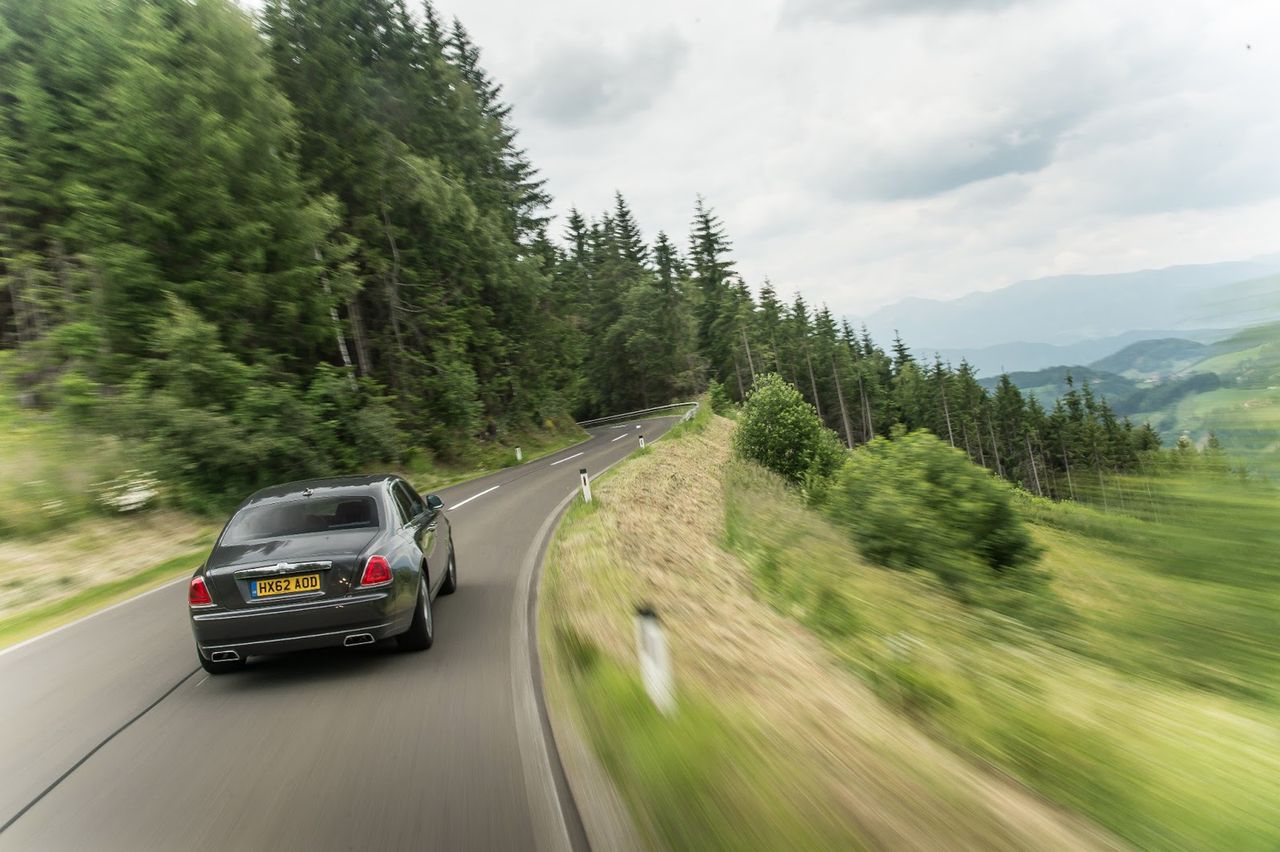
{"x":92,"y":554}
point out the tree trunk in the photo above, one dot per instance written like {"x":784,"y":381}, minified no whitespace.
{"x":392,"y":282}
{"x":1071,"y":488}
{"x":968,"y":448}
{"x":750,"y":361}
{"x":813,"y":383}
{"x":357,"y":331}
{"x":1031,"y":459}
{"x":995,"y":447}
{"x":869,"y":426}
{"x":946,"y":411}
{"x":844,"y":412}
{"x":737,"y":371}
{"x":15,"y":299}
{"x":333,"y":318}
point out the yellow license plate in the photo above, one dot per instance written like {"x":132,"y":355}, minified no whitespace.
{"x":284,"y":585}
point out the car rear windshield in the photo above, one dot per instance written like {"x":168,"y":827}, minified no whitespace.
{"x":301,"y":517}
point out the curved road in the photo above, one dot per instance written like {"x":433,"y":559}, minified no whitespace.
{"x":112,"y":738}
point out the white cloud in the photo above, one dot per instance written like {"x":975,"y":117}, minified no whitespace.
{"x":581,"y":82}
{"x":862,"y":153}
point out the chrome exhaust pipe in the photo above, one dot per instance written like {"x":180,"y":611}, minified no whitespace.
{"x":224,"y":656}
{"x":358,"y":639}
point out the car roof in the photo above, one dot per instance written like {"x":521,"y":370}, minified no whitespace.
{"x":330,"y":483}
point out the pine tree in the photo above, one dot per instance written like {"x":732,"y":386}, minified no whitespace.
{"x":710,"y":266}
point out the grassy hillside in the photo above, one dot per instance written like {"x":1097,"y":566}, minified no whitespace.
{"x":826,"y":702}
{"x":1147,"y":701}
{"x":1153,"y":358}
{"x":1244,"y":413}
{"x":776,"y":743}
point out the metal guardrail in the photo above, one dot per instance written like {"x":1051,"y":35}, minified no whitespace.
{"x":630,"y":414}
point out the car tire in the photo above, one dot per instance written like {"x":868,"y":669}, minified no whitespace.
{"x":450,"y":584}
{"x":222,"y":667}
{"x":421,"y":632}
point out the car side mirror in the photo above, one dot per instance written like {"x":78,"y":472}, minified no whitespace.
{"x":434,"y":503}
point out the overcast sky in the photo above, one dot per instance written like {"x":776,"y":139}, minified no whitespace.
{"x":865,"y":150}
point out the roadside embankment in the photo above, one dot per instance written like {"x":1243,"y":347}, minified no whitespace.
{"x":775,"y":743}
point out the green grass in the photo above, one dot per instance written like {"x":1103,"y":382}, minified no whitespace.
{"x":37,"y":620}
{"x":1149,"y":705}
{"x":695,"y":425}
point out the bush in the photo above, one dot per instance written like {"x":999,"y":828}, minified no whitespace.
{"x":914,"y":503}
{"x":719,"y":399}
{"x":781,"y":431}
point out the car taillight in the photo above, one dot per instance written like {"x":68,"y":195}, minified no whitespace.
{"x":376,"y":572}
{"x":198,"y":593}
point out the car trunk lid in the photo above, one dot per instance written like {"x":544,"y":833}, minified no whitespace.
{"x":241,"y":575}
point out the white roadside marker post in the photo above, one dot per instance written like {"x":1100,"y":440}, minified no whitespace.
{"x":519,"y":455}
{"x":586,"y":485}
{"x":655,"y":662}
{"x":642,"y":441}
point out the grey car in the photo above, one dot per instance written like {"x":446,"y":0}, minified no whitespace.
{"x":324,"y":562}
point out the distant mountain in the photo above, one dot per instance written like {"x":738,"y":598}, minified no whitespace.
{"x":1050,"y":383}
{"x":1023,"y":357}
{"x":1081,"y":318}
{"x":1154,"y":358}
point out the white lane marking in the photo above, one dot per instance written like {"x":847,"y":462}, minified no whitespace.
{"x":202,"y":680}
{"x":568,"y":458}
{"x":462,"y":503}
{"x":47,"y":634}
{"x":619,"y":438}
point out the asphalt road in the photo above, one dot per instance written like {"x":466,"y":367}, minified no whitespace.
{"x":111,"y":737}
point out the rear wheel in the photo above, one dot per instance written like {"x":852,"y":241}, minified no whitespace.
{"x":450,"y":584}
{"x":220,"y":667}
{"x":421,"y":632}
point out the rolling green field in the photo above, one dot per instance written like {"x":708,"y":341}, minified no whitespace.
{"x":1242,"y":408}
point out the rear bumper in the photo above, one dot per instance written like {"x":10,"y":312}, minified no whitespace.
{"x":298,"y":626}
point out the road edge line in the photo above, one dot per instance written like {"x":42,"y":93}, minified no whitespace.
{"x":546,"y":804}
{"x":534,"y":732}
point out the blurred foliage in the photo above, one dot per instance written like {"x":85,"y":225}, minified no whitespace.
{"x":1149,"y":700}
{"x":914,"y":503}
{"x":50,"y":474}
{"x":781,"y":431}
{"x":1211,"y":539}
